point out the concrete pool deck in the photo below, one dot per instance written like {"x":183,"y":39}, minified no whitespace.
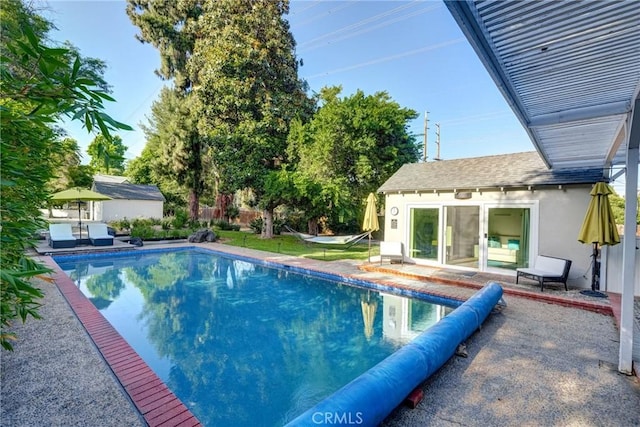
{"x":536,"y":362}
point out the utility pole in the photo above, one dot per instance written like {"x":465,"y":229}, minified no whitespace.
{"x":426,"y":127}
{"x":438,"y":141}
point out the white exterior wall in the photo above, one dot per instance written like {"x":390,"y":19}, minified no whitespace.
{"x":612,"y":269}
{"x":556,"y":218}
{"x":112,"y":210}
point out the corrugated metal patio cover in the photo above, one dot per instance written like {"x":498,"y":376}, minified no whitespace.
{"x":569,"y":69}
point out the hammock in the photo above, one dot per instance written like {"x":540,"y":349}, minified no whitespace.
{"x":349,"y":240}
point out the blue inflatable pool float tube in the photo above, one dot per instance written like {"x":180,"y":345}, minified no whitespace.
{"x":370,"y":398}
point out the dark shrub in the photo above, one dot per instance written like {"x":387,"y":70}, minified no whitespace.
{"x":180,"y":219}
{"x":256,"y":225}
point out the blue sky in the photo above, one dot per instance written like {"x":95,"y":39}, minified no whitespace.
{"x":412,"y":50}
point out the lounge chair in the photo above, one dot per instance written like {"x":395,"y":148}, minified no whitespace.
{"x":61,"y":236}
{"x":99,"y":235}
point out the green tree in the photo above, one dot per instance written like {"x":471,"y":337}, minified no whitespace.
{"x":140,"y":169}
{"x":617,"y":206}
{"x":39,"y":85}
{"x":175,"y":157}
{"x":147,"y":169}
{"x":249,"y":91}
{"x":80,"y":176}
{"x":67,"y":170}
{"x":107,"y":154}
{"x":171,"y":28}
{"x":64,"y":159}
{"x":350,"y":147}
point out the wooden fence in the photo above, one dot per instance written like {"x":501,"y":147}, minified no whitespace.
{"x":207,"y":213}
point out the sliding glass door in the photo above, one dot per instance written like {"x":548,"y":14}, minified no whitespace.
{"x":462,"y":233}
{"x":508,"y":237}
{"x":485,"y":236}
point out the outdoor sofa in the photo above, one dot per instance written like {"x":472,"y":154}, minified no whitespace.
{"x":547,"y":269}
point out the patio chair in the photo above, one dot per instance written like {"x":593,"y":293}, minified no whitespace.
{"x":61,"y":236}
{"x":99,"y":235}
{"x":391,"y":250}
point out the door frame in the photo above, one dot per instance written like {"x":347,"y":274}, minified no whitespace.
{"x":484,"y":206}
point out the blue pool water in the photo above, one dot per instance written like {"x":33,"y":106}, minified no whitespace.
{"x":242,"y":343}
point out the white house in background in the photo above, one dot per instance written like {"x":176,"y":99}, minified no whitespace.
{"x":493,"y":213}
{"x":127,"y":201}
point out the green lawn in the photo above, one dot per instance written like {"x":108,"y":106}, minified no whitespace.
{"x":291,"y":245}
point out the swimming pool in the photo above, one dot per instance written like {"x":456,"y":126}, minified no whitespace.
{"x":199,"y":319}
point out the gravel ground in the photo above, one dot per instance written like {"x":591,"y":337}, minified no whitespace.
{"x":56,"y":377}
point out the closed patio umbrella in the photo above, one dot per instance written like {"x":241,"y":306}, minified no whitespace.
{"x":598,"y":228}
{"x":78,"y":194}
{"x":369,"y":309}
{"x":370,"y":222}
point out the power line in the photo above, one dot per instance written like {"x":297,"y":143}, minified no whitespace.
{"x":357,"y":24}
{"x":372,"y":28}
{"x":312,"y":5}
{"x":327,"y":13}
{"x":139,"y":107}
{"x":387,"y":58}
{"x":477,"y":117}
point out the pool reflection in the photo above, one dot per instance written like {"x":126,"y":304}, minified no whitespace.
{"x":244,"y":344}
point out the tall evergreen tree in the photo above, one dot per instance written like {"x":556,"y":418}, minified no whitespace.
{"x":177,"y":153}
{"x":246,"y":81}
{"x":170,"y":26}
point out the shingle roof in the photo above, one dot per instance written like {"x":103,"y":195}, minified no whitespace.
{"x":505,"y":170}
{"x":128,"y":191}
{"x":109,"y":178}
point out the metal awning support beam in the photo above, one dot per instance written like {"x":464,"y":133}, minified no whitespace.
{"x":579,"y":114}
{"x":617,"y":142}
{"x":625,"y":361}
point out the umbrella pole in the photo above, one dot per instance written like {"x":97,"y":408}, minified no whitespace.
{"x":369,"y":247}
{"x":594,"y":268}
{"x":80,"y":222}
{"x":595,"y":277}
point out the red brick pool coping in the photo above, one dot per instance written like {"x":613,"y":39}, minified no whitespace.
{"x":601,"y":308}
{"x":153,"y":399}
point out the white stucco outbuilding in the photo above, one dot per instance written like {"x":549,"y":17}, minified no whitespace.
{"x":493,"y":213}
{"x":127,"y":201}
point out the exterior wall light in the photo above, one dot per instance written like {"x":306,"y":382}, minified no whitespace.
{"x":463,"y":195}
